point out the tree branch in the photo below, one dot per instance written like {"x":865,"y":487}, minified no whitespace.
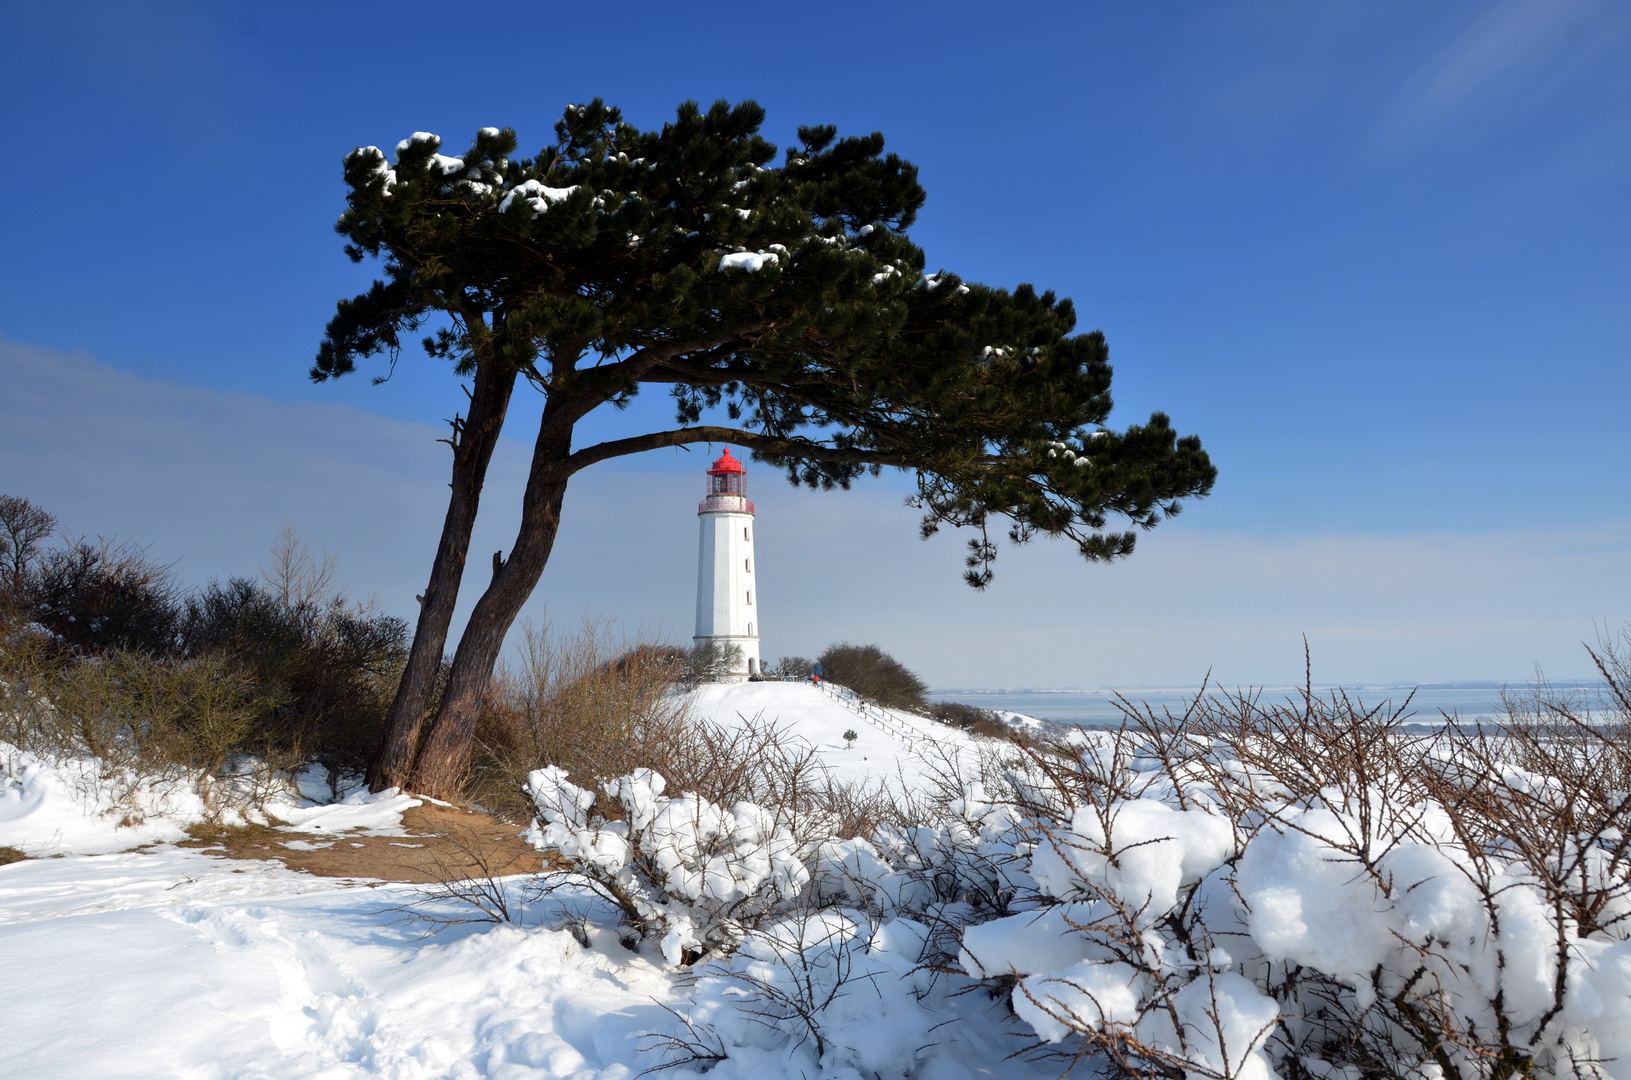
{"x":639,"y":365}
{"x":753,"y":440}
{"x":849,"y":413}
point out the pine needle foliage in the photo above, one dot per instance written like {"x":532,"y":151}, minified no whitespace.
{"x":604,"y":262}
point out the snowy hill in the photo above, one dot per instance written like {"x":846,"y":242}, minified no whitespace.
{"x":891,"y":744}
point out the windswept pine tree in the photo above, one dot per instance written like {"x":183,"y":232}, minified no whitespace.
{"x":782,"y":305}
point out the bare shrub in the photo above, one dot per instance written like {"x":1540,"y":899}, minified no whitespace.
{"x":806,"y":962}
{"x":23,"y":526}
{"x":586,"y":702}
{"x":711,"y":661}
{"x":470,"y":884}
{"x":102,"y":595}
{"x":966,"y":717}
{"x":296,"y":577}
{"x":126,"y":708}
{"x":145,"y":723}
{"x":793,"y":667}
{"x":224,"y":688}
{"x":329,"y":665}
{"x":695,"y":1043}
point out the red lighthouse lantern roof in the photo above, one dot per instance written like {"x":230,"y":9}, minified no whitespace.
{"x":726,"y":464}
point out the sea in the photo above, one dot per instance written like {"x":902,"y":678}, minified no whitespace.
{"x":1428,"y":705}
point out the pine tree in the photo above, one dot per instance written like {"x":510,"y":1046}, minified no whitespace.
{"x":783,"y":303}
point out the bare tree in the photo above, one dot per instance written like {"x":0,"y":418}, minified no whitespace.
{"x":22,"y":526}
{"x":297,"y":577}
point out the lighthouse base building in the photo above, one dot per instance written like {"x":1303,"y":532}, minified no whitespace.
{"x":727,"y":604}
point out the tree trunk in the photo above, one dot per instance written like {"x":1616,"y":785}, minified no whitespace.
{"x":489,"y":401}
{"x":439,"y":768}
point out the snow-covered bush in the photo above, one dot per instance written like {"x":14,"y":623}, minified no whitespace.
{"x":829,"y":991}
{"x":691,"y":874}
{"x":1106,"y":952}
{"x":967,"y":868}
{"x":1310,"y":889}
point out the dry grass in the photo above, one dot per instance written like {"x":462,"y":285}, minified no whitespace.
{"x":145,"y":719}
{"x":435,"y":849}
{"x":591,"y":704}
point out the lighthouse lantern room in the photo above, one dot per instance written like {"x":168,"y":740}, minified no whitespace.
{"x":727,"y":604}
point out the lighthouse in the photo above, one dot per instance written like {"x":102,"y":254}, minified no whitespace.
{"x":727,"y":601}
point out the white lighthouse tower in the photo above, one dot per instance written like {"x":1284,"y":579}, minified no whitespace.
{"x":727,"y":607}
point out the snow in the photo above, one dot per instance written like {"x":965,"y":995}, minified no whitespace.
{"x":416,"y":138}
{"x":176,"y":963}
{"x":76,"y":806}
{"x":536,"y":196}
{"x":1033,"y":943}
{"x":447,"y":166}
{"x":1157,"y":849}
{"x":751,"y":261}
{"x":376,"y":813}
{"x":50,"y":808}
{"x":891,"y":745}
{"x":1104,"y":993}
{"x":180,"y":963}
{"x":1148,"y":914}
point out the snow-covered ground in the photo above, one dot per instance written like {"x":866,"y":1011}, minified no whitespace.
{"x":890,"y":744}
{"x":130,"y":957}
{"x":172,"y":963}
{"x":178,"y":963}
{"x":69,"y":807}
{"x":1163,"y":923}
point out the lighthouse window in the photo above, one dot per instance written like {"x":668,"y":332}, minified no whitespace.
{"x":749,"y":563}
{"x":750,"y":598}
{"x":745,"y":535}
{"x":750,"y":629}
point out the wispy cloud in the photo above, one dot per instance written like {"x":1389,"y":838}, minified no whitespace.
{"x":1515,"y":44}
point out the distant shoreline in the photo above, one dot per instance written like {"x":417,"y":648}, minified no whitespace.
{"x":1426,"y":703}
{"x":941,"y":693}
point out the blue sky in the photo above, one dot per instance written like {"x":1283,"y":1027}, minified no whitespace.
{"x":1378,"y":255}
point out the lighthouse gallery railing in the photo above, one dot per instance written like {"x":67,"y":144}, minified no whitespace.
{"x":732,"y":504}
